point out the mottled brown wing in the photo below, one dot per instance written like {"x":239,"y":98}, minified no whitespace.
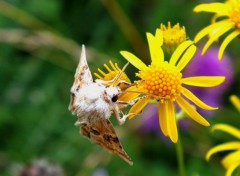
{"x":83,"y":77}
{"x":83,"y":74}
{"x":101,"y":132}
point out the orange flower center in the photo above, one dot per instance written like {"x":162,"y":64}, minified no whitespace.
{"x":234,"y":15}
{"x":164,"y":82}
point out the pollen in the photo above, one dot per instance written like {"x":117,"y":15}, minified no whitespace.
{"x":172,"y":36}
{"x":163,"y":82}
{"x":234,"y":15}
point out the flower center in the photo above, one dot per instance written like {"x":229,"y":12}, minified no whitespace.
{"x":164,"y":82}
{"x":234,"y":15}
{"x":172,"y":36}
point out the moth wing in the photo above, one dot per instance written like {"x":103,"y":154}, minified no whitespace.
{"x":101,"y":132}
{"x":83,"y":77}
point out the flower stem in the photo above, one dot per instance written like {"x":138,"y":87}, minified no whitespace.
{"x":126,"y":26}
{"x":180,"y":158}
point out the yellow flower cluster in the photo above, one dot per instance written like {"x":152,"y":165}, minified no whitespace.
{"x":162,"y":82}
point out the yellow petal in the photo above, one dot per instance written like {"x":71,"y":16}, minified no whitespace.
{"x":219,"y":8}
{"x":203,"y":81}
{"x":102,"y":72}
{"x":216,"y":34}
{"x":171,"y":122}
{"x":159,"y":36}
{"x":98,"y":76}
{"x":162,"y":116}
{"x":215,"y":17}
{"x":136,"y":62}
{"x":137,"y":108}
{"x":156,"y":52}
{"x":117,"y":67}
{"x":187,"y":56}
{"x":130,"y":93}
{"x":207,"y":30}
{"x":113,"y":66}
{"x":108,"y":69}
{"x":235,"y":101}
{"x":179,"y":51}
{"x":191,"y":111}
{"x":188,"y":94}
{"x":231,"y":158}
{"x":232,"y":168}
{"x":228,"y":129}
{"x":223,"y":147}
{"x":226,"y":41}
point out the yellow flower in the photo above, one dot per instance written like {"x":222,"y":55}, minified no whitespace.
{"x":113,"y":70}
{"x":172,"y":36}
{"x":227,"y":17}
{"x":163,"y":82}
{"x":232,"y":160}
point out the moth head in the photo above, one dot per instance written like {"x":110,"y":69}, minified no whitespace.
{"x":112,"y":93}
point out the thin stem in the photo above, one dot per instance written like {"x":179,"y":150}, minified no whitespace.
{"x":127,"y":27}
{"x":22,"y":17}
{"x":180,"y":158}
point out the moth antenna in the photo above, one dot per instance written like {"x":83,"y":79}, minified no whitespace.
{"x":119,"y":74}
{"x":143,"y":93}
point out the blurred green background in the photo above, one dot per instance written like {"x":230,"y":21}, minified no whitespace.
{"x":39,"y":50}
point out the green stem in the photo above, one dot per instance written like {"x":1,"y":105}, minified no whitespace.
{"x":180,"y":158}
{"x":127,"y":27}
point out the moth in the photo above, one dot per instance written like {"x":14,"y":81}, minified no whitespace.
{"x":94,"y":103}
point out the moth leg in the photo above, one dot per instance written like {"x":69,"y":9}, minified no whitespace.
{"x":131,"y":102}
{"x":124,"y":82}
{"x":125,"y":116}
{"x":120,"y":119}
